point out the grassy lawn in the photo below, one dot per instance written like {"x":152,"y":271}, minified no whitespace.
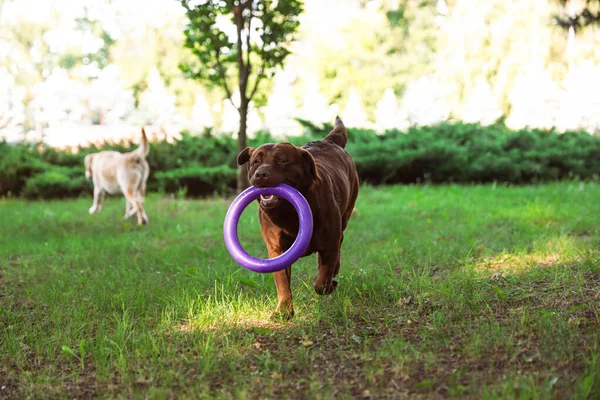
{"x":445,"y":291}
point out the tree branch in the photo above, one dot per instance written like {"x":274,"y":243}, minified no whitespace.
{"x":224,"y":78}
{"x":261,"y":71}
{"x":259,"y":77}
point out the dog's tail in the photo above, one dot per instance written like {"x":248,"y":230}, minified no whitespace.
{"x":144,"y":148}
{"x":338,"y":135}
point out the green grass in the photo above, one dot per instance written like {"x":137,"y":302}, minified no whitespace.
{"x":445,"y":291}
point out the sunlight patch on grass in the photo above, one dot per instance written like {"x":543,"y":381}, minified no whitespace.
{"x":220,"y":311}
{"x":229,"y":320}
{"x":563,"y":250}
{"x":259,"y":322}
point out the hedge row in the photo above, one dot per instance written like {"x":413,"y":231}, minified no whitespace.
{"x":204,"y":165}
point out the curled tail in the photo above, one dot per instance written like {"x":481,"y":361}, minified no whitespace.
{"x":338,"y":135}
{"x":144,"y":149}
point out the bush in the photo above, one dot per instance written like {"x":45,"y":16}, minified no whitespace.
{"x":198,"y":180}
{"x":57,"y":183}
{"x":206,"y":164}
{"x":17,"y":165}
{"x":469,"y":153}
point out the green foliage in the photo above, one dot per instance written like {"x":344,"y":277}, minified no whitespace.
{"x":101,"y":57}
{"x":205,"y":165}
{"x":197,"y":180}
{"x":56,"y":183}
{"x":260,"y":47}
{"x":17,"y":165}
{"x":264,"y":29}
{"x":469,"y":153}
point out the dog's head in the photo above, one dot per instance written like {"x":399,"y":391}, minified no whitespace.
{"x":273,"y":164}
{"x":87,"y":161}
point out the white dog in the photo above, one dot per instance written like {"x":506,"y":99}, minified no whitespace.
{"x":115,"y":172}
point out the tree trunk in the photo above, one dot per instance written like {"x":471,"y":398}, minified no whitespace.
{"x":242,"y":172}
{"x":243,"y":73}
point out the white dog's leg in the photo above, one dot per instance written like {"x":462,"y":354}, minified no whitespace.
{"x":146,"y":220}
{"x":129,"y":209}
{"x":98,"y":197}
{"x":140,"y":198}
{"x":139,"y":209}
{"x":141,"y":193}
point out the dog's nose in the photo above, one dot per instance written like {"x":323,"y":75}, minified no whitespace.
{"x":261,"y":173}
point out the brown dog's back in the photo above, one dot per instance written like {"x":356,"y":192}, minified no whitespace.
{"x":336,"y":166}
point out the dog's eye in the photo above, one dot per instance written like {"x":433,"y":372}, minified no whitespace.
{"x":256,"y":161}
{"x":281,"y":161}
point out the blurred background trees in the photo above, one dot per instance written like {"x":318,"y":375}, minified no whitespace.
{"x":381,"y":64}
{"x":434,"y":90}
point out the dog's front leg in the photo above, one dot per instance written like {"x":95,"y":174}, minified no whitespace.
{"x":283,"y":280}
{"x":98,"y":197}
{"x":329,"y":266}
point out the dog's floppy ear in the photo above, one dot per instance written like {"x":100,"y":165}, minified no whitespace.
{"x":245,"y":155}
{"x":310,"y":164}
{"x":87,"y":161}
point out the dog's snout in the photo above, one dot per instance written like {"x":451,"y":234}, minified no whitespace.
{"x":262,"y":173}
{"x":263,"y":177}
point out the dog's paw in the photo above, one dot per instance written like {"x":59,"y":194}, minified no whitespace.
{"x":92,"y":210}
{"x":278,"y":315}
{"x":284,"y":311}
{"x":325,"y":288}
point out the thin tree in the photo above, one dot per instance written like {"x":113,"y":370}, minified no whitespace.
{"x":258,"y":45}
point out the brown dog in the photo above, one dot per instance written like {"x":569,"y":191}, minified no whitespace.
{"x":326,"y":175}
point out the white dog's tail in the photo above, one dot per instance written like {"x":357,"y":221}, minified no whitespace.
{"x":144,"y":149}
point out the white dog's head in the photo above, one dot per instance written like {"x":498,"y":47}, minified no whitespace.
{"x":88,"y":165}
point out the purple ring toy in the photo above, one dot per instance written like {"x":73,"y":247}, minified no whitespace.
{"x":232,"y":241}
